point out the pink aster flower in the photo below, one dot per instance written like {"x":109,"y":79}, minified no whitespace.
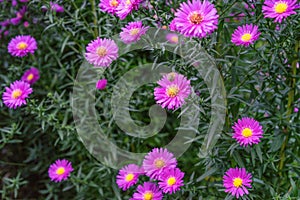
{"x":247,"y":131}
{"x":172,"y":26}
{"x":109,"y":6}
{"x":171,"y":180}
{"x":172,"y":38}
{"x":56,"y":7}
{"x":279,"y":9}
{"x":158,"y":160}
{"x":236,"y":180}
{"x":173,"y":90}
{"x":128,"y":176}
{"x":245,"y":35}
{"x":15,"y":95}
{"x":21,"y":45}
{"x":133,"y":32}
{"x":147,"y":191}
{"x":196,"y":18}
{"x":60,"y":170}
{"x":126,"y":7}
{"x":31,"y":75}
{"x":101,"y":52}
{"x":101,"y":84}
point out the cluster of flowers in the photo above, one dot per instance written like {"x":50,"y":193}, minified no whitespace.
{"x":159,"y":165}
{"x":247,"y":131}
{"x":20,"y":15}
{"x":15,"y":95}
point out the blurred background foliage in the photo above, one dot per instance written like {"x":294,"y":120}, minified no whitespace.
{"x":261,"y":81}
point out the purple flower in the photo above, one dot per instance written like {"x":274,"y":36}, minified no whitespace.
{"x":5,"y":23}
{"x":133,"y":32}
{"x":147,"y":191}
{"x":296,"y":109}
{"x":101,"y":52}
{"x":60,"y":170}
{"x":196,"y":19}
{"x":171,"y":180}
{"x":56,"y":7}
{"x":15,"y":95}
{"x":247,"y":131}
{"x":126,"y":7}
{"x":21,"y":45}
{"x":245,"y":35}
{"x":236,"y":180}
{"x":158,"y":160}
{"x":31,"y":75}
{"x":172,"y":26}
{"x":172,"y":38}
{"x":173,"y":90}
{"x":109,"y":6}
{"x":26,"y":24}
{"x":279,"y":9}
{"x":128,"y":176}
{"x":101,"y":84}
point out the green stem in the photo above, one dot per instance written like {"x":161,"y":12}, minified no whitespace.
{"x":291,"y":95}
{"x":95,"y":17}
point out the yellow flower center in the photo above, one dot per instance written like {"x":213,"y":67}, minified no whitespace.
{"x":173,"y":91}
{"x":281,"y":7}
{"x":171,"y":181}
{"x":128,"y":2}
{"x":114,"y":3}
{"x":195,"y":18}
{"x":129,"y":177}
{"x":60,"y":171}
{"x":134,"y":31}
{"x":247,"y":132}
{"x":30,"y":77}
{"x":22,"y":45}
{"x":101,"y":51}
{"x":237,"y":182}
{"x":174,"y":39}
{"x":246,"y":37}
{"x":16,"y":93}
{"x":159,"y":163}
{"x":148,"y":196}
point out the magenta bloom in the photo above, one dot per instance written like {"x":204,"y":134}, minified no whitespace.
{"x":172,"y":38}
{"x":158,"y":160}
{"x":101,"y":84}
{"x":296,"y":109}
{"x":171,"y":180}
{"x":172,"y":26}
{"x":133,"y":32}
{"x":196,"y":19}
{"x":173,"y":90}
{"x":128,"y":176}
{"x":15,"y":95}
{"x":245,"y":35}
{"x":60,"y":170}
{"x":101,"y":52}
{"x":279,"y":9}
{"x":22,"y":45}
{"x":126,"y":7}
{"x":19,"y":15}
{"x":56,"y":7}
{"x":236,"y":180}
{"x":247,"y":131}
{"x":31,"y":75}
{"x":147,"y":191}
{"x":109,"y":6}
